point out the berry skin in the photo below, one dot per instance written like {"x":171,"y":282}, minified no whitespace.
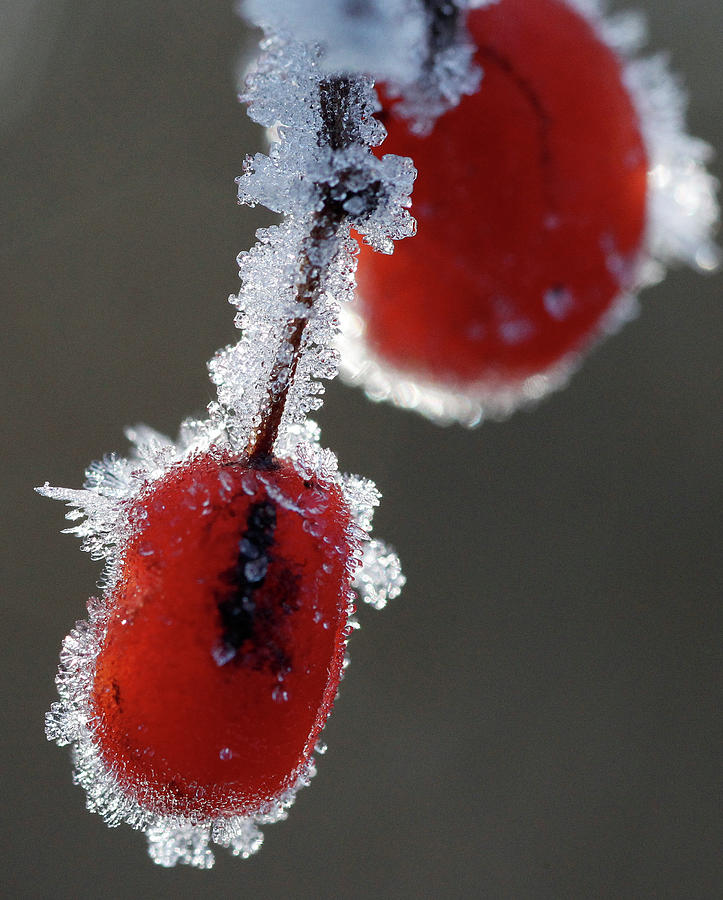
{"x":531,"y":202}
{"x":225,"y":643}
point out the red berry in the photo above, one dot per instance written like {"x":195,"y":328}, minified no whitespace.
{"x":530,"y":200}
{"x":224,"y":647}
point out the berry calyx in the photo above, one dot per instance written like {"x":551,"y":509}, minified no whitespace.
{"x":530,"y":201}
{"x":224,"y":646}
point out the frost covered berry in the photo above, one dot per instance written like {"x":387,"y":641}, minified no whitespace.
{"x":194,"y":694}
{"x":530,"y":200}
{"x":224,"y":645}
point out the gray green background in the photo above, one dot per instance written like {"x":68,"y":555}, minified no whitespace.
{"x":536,"y":716}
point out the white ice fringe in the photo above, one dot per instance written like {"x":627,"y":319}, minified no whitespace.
{"x":682,"y":205}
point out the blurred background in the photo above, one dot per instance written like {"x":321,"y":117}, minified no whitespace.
{"x":536,"y":715}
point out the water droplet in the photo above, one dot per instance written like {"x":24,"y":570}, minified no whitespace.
{"x":249,"y":483}
{"x":313,"y":527}
{"x":256,"y":569}
{"x":558,"y":301}
{"x":249,"y":549}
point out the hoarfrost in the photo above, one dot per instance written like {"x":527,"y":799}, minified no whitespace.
{"x":379,"y":36}
{"x":185,"y":844}
{"x":682,"y":207}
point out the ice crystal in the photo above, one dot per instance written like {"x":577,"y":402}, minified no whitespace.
{"x":682,"y":217}
{"x":447,"y":70}
{"x":322,"y":175}
{"x":380,"y":578}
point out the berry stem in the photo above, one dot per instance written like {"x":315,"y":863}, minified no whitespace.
{"x":442,"y":27}
{"x":319,"y":250}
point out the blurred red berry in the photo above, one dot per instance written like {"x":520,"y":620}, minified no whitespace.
{"x":531,"y":202}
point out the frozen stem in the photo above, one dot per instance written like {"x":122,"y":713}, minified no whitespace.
{"x":338,"y":132}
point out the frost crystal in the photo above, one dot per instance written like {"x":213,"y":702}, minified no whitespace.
{"x":322,"y":175}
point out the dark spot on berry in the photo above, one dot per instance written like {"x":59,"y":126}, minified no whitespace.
{"x":238,"y":607}
{"x":264,"y":463}
{"x":288,"y":588}
{"x":252,"y":618}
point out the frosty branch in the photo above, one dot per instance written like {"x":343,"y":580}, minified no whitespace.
{"x":338,"y":132}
